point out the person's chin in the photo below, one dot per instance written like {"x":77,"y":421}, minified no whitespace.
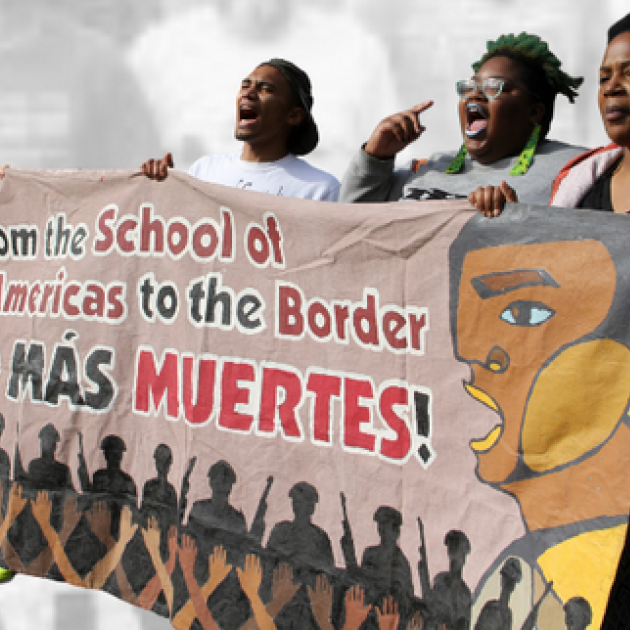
{"x":495,"y":466}
{"x":477,"y":146}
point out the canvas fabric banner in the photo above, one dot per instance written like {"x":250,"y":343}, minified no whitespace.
{"x":241,"y":410}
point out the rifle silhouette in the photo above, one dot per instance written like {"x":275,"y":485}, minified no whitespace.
{"x":84,"y":475}
{"x":530,"y":621}
{"x":19,"y":473}
{"x":423,"y":563}
{"x":258,"y":524}
{"x":347,"y":541}
{"x":183,"y":496}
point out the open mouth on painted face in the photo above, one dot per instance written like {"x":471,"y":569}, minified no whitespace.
{"x":476,"y":120}
{"x":484,"y":444}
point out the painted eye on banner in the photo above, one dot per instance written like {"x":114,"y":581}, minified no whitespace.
{"x":527,"y":313}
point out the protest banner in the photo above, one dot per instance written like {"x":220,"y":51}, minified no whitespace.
{"x":242,"y":410}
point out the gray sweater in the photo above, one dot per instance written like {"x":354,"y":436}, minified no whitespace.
{"x":370,"y":179}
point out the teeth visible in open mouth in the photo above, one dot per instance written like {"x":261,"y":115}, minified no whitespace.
{"x":475,"y":120}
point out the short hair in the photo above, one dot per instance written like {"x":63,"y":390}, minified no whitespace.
{"x":582,"y":608}
{"x":304,"y":490}
{"x":113,"y":443}
{"x":162,"y":452}
{"x":511,"y":569}
{"x":49,"y":431}
{"x":456,"y":539}
{"x":386,"y":514}
{"x":222,"y":468}
{"x":541,"y":70}
{"x":619,"y":27}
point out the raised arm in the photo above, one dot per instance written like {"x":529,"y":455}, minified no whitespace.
{"x":356,"y":610}
{"x":187,"y":555}
{"x":218,"y":570}
{"x":42,"y":507}
{"x":250,"y":578}
{"x":151,"y":537}
{"x":321,"y":601}
{"x":101,"y":570}
{"x":370,"y":176}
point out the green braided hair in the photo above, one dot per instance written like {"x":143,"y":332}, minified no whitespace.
{"x":541,"y":70}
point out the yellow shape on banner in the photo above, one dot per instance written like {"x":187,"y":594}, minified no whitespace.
{"x":576,"y":403}
{"x":585,"y":566}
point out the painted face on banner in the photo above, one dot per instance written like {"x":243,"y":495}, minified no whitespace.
{"x":521,"y":309}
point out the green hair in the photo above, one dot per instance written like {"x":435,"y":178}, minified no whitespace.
{"x":541,"y":67}
{"x":533,"y":49}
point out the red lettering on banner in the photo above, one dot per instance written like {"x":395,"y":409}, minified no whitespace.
{"x":324,"y":387}
{"x":152,"y":384}
{"x":275,"y":381}
{"x":200,"y":411}
{"x":257,"y":245}
{"x":366,"y":315}
{"x":317,"y":312}
{"x":94,"y":300}
{"x":32,"y":298}
{"x":399,"y":448}
{"x":375,"y":328}
{"x":104,"y":245}
{"x":355,"y":414}
{"x":177,"y":229}
{"x":342,"y":314}
{"x":233,"y":394}
{"x":150,"y":227}
{"x":71,"y":290}
{"x":275,"y":236}
{"x":227,"y":250}
{"x":418,"y":326}
{"x":205,"y":240}
{"x":125,"y":244}
{"x":393,"y":323}
{"x":290,"y":320}
{"x":115,"y":297}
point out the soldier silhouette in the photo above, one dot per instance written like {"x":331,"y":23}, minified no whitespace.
{"x":213,"y":522}
{"x":385,"y":566}
{"x":119,"y":487}
{"x":451,"y":599}
{"x":5,"y":461}
{"x":45,"y":472}
{"x":159,"y":497}
{"x":577,"y":614}
{"x":496,"y":613}
{"x":307,"y":548}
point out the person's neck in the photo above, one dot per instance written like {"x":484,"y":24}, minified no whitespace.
{"x":254,"y":153}
{"x":579,"y":492}
{"x":620,"y":187}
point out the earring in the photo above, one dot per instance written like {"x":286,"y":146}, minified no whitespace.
{"x":458,"y":162}
{"x":526,"y":157}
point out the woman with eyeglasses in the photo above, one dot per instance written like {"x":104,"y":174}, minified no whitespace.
{"x":505,"y":111}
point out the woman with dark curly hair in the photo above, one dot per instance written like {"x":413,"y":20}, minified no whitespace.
{"x":505,"y":111}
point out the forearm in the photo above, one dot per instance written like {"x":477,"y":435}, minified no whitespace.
{"x":101,"y":570}
{"x":165,"y":578}
{"x":368,"y":179}
{"x":262,"y":617}
{"x":198,"y":601}
{"x":66,"y":569}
